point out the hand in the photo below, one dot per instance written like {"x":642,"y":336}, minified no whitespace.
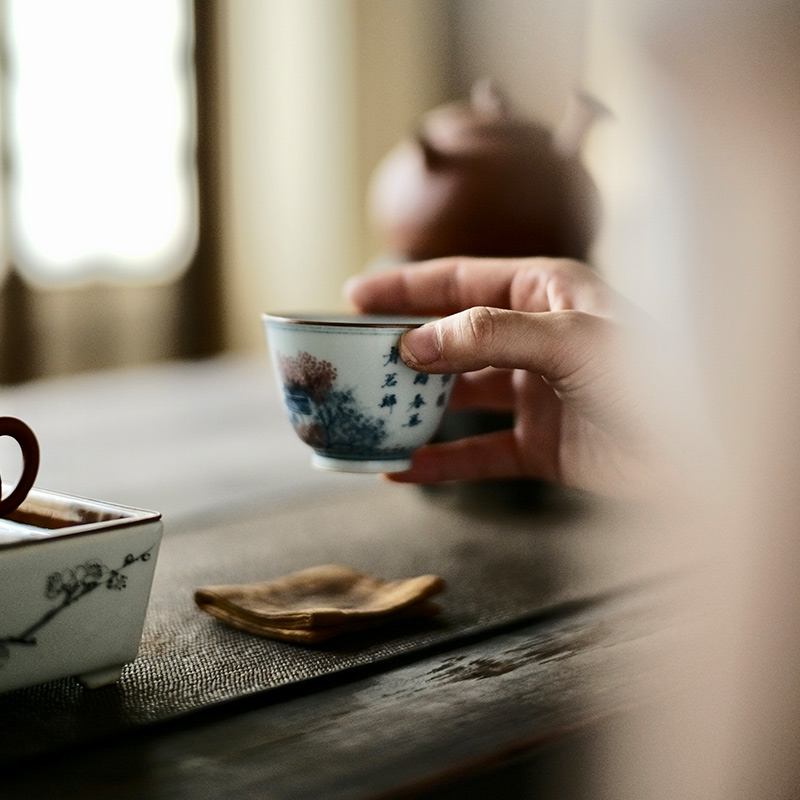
{"x":542,"y":338}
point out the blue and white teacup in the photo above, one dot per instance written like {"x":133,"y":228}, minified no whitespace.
{"x":348,"y":394}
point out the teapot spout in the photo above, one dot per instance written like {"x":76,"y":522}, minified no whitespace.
{"x":581,"y":113}
{"x":489,"y":100}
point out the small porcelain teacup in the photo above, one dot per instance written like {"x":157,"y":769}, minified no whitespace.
{"x":347,"y":392}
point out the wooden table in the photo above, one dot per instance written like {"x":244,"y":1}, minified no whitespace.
{"x":522,"y":707}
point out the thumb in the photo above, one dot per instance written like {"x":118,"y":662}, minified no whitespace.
{"x":554,"y":344}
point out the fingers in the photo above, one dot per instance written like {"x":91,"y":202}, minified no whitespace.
{"x":486,"y":457}
{"x":445,"y":286}
{"x":437,"y":287}
{"x":559,"y":285}
{"x":554,"y":345}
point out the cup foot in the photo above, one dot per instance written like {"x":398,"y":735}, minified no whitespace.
{"x":358,"y":465}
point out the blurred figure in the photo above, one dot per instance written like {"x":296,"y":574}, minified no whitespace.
{"x":725,"y":78}
{"x":710,"y":247}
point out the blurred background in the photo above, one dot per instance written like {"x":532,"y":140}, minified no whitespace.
{"x":175,"y":167}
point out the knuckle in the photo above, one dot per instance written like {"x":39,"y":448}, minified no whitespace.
{"x":572,"y":328}
{"x":458,"y":278}
{"x":577,"y":338}
{"x":480,"y":325}
{"x":468,"y":337}
{"x":560,"y":285}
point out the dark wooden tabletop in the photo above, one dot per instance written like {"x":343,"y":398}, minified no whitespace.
{"x":527,"y":708}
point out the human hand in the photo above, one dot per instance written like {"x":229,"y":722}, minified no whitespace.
{"x":543,"y":338}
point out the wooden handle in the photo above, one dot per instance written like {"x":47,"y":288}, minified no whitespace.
{"x":26,"y":439}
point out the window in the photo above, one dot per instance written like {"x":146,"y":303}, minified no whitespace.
{"x":100,"y":138}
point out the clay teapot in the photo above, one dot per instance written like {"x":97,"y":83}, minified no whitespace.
{"x":479,"y":179}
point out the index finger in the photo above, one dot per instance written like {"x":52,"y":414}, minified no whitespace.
{"x":436,"y":288}
{"x":446,"y":286}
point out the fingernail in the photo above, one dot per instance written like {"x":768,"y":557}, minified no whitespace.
{"x":420,"y":345}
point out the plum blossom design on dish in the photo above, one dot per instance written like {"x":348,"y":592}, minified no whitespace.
{"x":67,"y":587}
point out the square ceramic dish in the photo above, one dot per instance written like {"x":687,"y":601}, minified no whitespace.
{"x":75,"y":580}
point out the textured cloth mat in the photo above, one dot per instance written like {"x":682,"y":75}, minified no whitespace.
{"x":498,"y":569}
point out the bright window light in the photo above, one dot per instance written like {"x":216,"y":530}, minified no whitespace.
{"x":100,"y":133}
